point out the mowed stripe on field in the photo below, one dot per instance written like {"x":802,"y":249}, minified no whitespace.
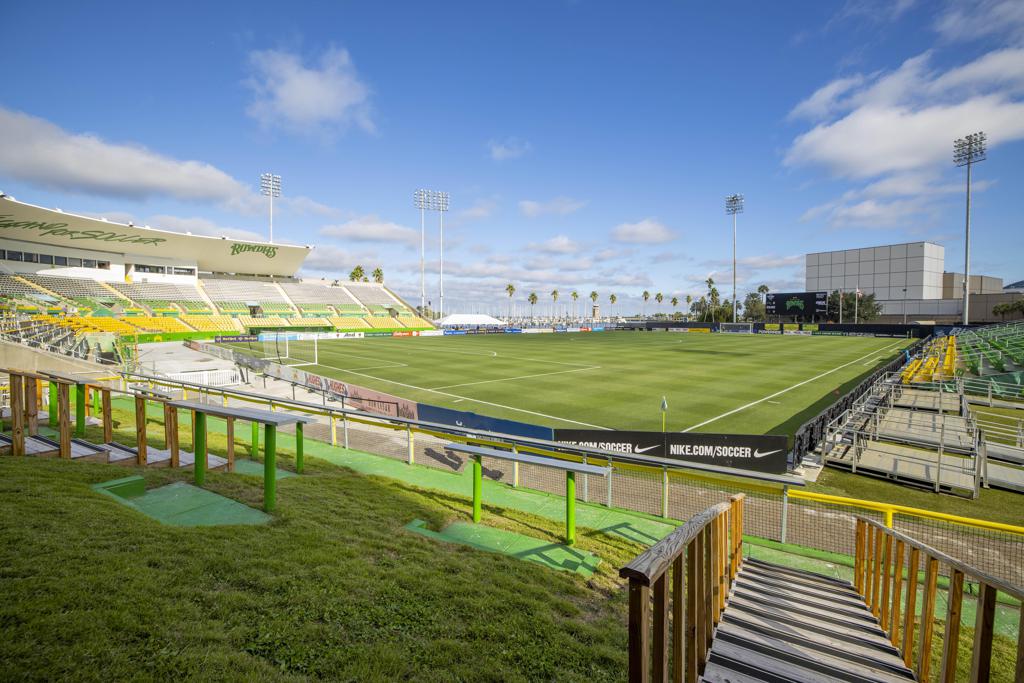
{"x":789,"y":388}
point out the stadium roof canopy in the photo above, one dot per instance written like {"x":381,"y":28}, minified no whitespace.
{"x":1015,"y":287}
{"x":469,"y":320}
{"x":34,"y":224}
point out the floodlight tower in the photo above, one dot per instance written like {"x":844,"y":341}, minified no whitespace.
{"x":431,"y":200}
{"x":966,"y":152}
{"x":733,"y":206}
{"x":270,"y":186}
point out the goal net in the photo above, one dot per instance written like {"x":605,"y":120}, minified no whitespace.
{"x":737,"y":327}
{"x":280,"y":348}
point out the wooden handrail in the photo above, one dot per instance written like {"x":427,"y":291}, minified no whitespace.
{"x":879,"y":578}
{"x":702,"y":557}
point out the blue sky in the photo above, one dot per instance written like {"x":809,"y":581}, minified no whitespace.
{"x":585,"y":145}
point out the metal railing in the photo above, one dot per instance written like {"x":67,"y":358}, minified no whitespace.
{"x":703,"y":556}
{"x":881,"y":569}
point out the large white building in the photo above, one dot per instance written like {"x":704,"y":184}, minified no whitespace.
{"x":909,"y":280}
{"x":894,"y":272}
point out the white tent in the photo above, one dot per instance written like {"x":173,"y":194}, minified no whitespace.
{"x":469,"y":320}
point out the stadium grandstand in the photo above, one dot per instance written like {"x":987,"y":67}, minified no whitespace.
{"x":99,"y":281}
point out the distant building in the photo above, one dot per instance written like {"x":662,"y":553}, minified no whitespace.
{"x":909,"y":280}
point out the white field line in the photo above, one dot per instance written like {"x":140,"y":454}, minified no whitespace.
{"x":495,"y":354}
{"x":466,"y":398}
{"x":510,"y":379}
{"x":787,"y":389}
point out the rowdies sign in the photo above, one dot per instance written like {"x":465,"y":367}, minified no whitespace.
{"x":750,"y":452}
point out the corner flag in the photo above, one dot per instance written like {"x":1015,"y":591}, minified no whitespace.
{"x":664,"y":410}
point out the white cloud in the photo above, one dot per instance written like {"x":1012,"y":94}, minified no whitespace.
{"x":647,"y":231}
{"x":371,"y":228}
{"x":308,"y":99}
{"x":509,"y":148}
{"x":36,"y":151}
{"x":304,"y":206}
{"x":823,"y":101}
{"x":905,"y":120}
{"x":559,"y":206}
{"x":480,"y":209}
{"x":972,"y":19}
{"x":334,"y":260}
{"x":559,"y":244}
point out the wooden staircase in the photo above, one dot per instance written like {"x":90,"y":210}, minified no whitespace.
{"x":783,"y":624}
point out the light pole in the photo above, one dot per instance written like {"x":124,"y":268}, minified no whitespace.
{"x":966,"y":152}
{"x":270,"y":186}
{"x":431,"y":200}
{"x":733,"y":206}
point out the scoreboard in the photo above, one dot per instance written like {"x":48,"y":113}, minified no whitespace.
{"x":803,"y":304}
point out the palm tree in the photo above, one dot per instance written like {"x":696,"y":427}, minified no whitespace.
{"x":533,"y":300}
{"x":378,"y":275}
{"x":510,"y":289}
{"x":646,"y":295}
{"x":593,"y":297}
{"x":575,"y":295}
{"x":612,"y":299}
{"x":762,"y":290}
{"x":689,"y":306}
{"x":675,"y":303}
{"x":357,"y":274}
{"x":554,"y":301}
{"x":659,"y":297}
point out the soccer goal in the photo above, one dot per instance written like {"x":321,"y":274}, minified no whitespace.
{"x":280,"y":348}
{"x":737,"y":327}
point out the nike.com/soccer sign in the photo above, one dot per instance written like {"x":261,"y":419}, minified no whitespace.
{"x":757,"y":453}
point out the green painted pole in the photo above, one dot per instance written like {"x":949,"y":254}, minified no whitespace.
{"x":52,"y":405}
{"x":270,"y":469}
{"x":570,"y":508}
{"x":298,"y":447}
{"x":478,"y":485}
{"x":255,"y":440}
{"x":80,"y":410}
{"x":199,"y":446}
{"x":95,"y":402}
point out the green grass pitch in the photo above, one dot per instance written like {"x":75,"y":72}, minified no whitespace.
{"x":729,"y":383}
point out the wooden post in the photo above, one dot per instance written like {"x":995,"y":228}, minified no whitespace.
{"x":1019,"y":676}
{"x":897,"y":590}
{"x":31,"y":405}
{"x":692,"y":612}
{"x":951,"y":638}
{"x":172,"y":436}
{"x":108,"y":417}
{"x":661,"y":629}
{"x":140,"y":431}
{"x":709,"y":611}
{"x":17,"y":393}
{"x":876,"y":573}
{"x":910,"y":606}
{"x":886,"y":581}
{"x":64,"y":419}
{"x":924,"y":653}
{"x":858,"y":558}
{"x":639,"y":615}
{"x":981,"y":661}
{"x":231,"y":443}
{"x":678,"y":618}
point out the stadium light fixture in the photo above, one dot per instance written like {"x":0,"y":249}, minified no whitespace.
{"x":431,"y":200}
{"x":270,"y":186}
{"x":968,"y":151}
{"x":733,"y":206}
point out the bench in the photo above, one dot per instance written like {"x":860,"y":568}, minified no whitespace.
{"x":269,"y":419}
{"x":571,"y":469}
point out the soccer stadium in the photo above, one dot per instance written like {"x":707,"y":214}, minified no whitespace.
{"x":223,"y":459}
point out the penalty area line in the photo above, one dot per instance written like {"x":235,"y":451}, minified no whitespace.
{"x":788,"y":389}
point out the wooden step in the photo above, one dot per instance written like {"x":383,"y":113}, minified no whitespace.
{"x":793,"y":597}
{"x":799,"y":573}
{"x":838,"y":589}
{"x":729,"y":663}
{"x":824,"y":625}
{"x":769,"y":652}
{"x":804,"y":610}
{"x":842,"y":599}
